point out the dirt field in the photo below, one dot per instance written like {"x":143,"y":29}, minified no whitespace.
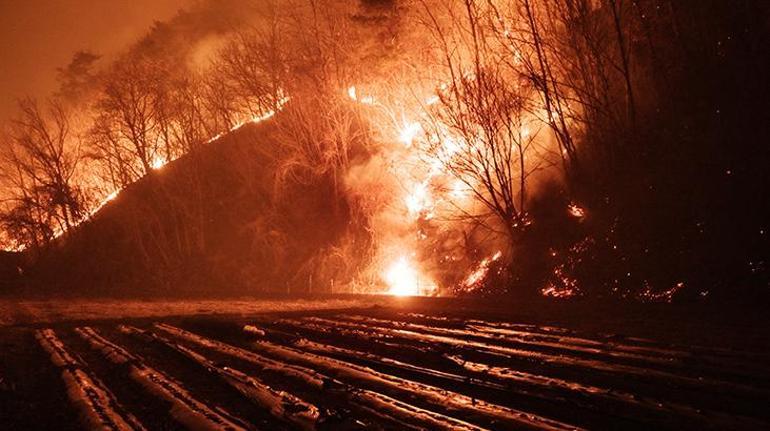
{"x":376,"y":363}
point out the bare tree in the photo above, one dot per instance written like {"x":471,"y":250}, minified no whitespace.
{"x":252,"y":69}
{"x":131,"y":115}
{"x":40,"y":166}
{"x":481,"y":130}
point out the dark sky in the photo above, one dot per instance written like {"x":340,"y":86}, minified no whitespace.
{"x":37,"y":36}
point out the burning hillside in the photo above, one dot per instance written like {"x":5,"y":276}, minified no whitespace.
{"x":425,"y":148}
{"x":384,"y":214}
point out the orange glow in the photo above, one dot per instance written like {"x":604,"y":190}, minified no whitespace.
{"x":576,"y":211}
{"x":567,"y":286}
{"x":157,"y":162}
{"x":419,"y":200}
{"x":408,"y":133}
{"x":459,"y":190}
{"x":402,"y":278}
{"x":353,"y":94}
{"x":481,"y":271}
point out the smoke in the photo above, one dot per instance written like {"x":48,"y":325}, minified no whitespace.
{"x":38,"y":36}
{"x":203,"y":51}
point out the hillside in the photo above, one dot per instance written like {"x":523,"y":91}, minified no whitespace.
{"x":198,"y":225}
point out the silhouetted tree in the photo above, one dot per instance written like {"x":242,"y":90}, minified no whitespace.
{"x":40,"y":163}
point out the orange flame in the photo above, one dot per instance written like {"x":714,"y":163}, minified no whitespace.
{"x":478,"y":274}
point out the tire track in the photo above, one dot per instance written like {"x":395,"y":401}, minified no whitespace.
{"x":457,"y":338}
{"x":97,"y":405}
{"x":184,"y":407}
{"x":549,"y":390}
{"x":482,"y":412}
{"x":282,"y":405}
{"x":406,"y":415}
{"x":740,"y":363}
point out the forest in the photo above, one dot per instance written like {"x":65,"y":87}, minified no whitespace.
{"x":554,"y":148}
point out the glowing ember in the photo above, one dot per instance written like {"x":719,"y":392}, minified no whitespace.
{"x":402,"y":278}
{"x":478,"y":274}
{"x":648,"y":295}
{"x":576,"y":211}
{"x":408,"y":132}
{"x":553,"y":291}
{"x":562,"y":286}
{"x":419,"y":201}
{"x":353,"y":94}
{"x":157,"y":162}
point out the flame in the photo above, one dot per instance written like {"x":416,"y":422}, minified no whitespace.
{"x":576,"y":211}
{"x":478,"y":274}
{"x":10,"y":245}
{"x":158,"y":162}
{"x":366,"y":100}
{"x":408,"y":132}
{"x":6,"y":244}
{"x":429,"y":147}
{"x":419,"y":200}
{"x":110,"y":197}
{"x":403,"y":279}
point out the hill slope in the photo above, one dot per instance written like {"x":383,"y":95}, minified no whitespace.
{"x":207,"y":223}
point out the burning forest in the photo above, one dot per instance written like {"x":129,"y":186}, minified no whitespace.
{"x":453,"y":148}
{"x":460,"y":165}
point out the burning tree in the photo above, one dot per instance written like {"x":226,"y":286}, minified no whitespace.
{"x":129,"y":129}
{"x":430,"y":143}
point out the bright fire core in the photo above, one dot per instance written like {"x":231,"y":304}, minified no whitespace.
{"x":402,"y":278}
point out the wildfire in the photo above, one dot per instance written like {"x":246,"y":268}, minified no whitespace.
{"x":402,"y":278}
{"x":353,"y":94}
{"x":418,"y":201}
{"x":408,"y":132}
{"x":429,"y":147}
{"x":156,"y":163}
{"x":576,"y":211}
{"x":478,"y":274}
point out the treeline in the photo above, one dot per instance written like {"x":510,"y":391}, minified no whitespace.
{"x":607,"y":148}
{"x":106,"y":141}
